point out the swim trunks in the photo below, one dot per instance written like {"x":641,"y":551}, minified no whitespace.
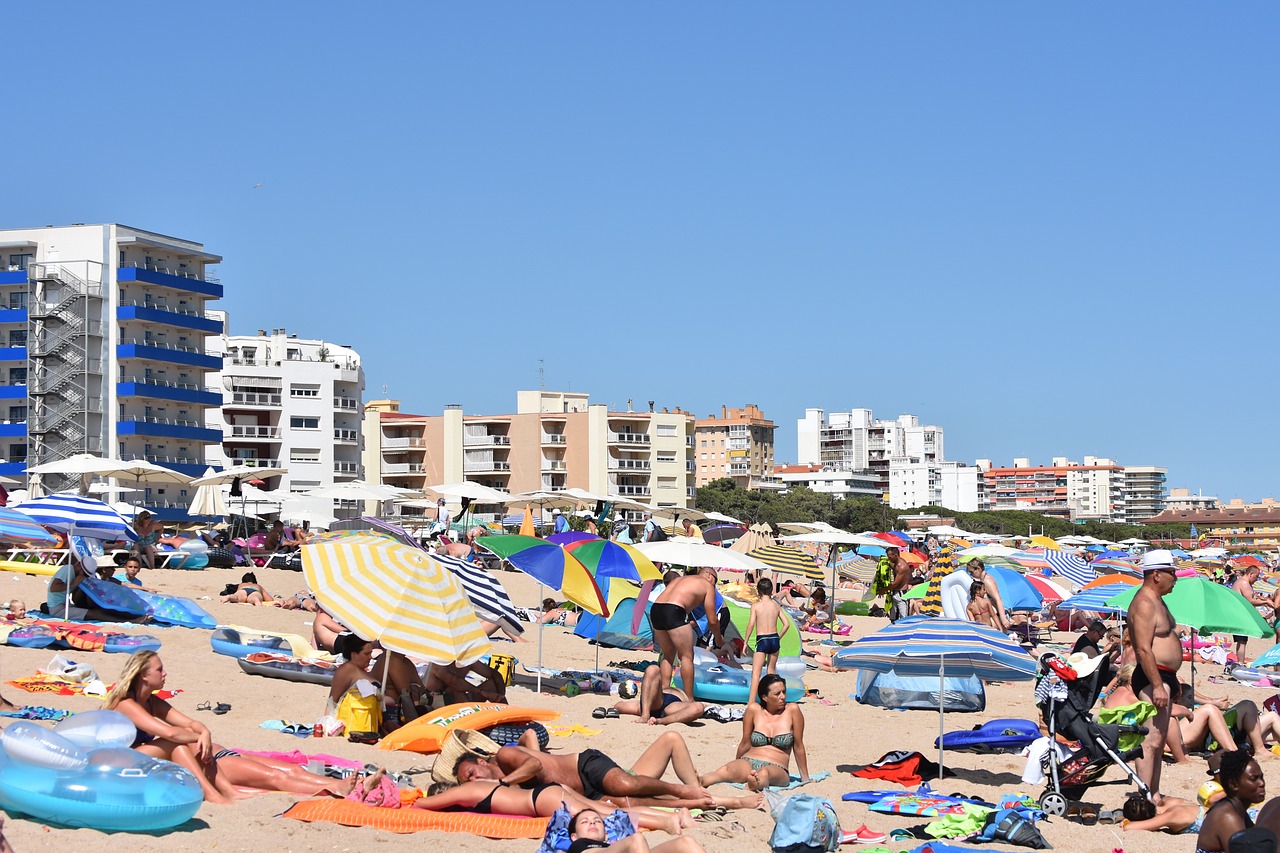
{"x":768,"y":644}
{"x":667,"y":617}
{"x":667,"y":699}
{"x":1139,"y":681}
{"x":593,"y":766}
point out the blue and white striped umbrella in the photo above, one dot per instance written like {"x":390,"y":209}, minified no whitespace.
{"x":18,"y":529}
{"x":1095,"y":600}
{"x":78,"y":516}
{"x":1070,"y":567}
{"x":923,"y":646}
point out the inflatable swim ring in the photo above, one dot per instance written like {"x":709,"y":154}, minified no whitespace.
{"x":221,"y":558}
{"x":720,"y":683}
{"x":80,"y":775}
{"x":237,"y":644}
{"x":427,"y":733}
{"x":288,"y":668}
{"x":1249,"y":675}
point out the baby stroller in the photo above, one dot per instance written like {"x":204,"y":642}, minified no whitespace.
{"x":1065,"y":697}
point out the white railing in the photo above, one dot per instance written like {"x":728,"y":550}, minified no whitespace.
{"x":481,"y":440}
{"x":180,"y":273}
{"x":142,"y":342}
{"x":185,"y":422}
{"x":255,"y":432}
{"x":346,"y":403}
{"x":402,"y":442}
{"x":486,"y":466}
{"x":257,"y":463}
{"x":629,"y":465}
{"x":629,"y":438}
{"x":554,"y":438}
{"x":553,"y":465}
{"x":403,"y":468}
{"x":344,"y":435}
{"x":173,"y":460}
{"x":245,"y":398}
{"x":633,"y":490}
{"x":345,"y":467}
{"x":169,"y":309}
{"x":164,"y":383}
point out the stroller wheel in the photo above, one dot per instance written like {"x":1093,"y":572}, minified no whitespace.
{"x":1053,"y":803}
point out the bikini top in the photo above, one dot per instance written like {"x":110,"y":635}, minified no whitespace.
{"x":783,"y":741}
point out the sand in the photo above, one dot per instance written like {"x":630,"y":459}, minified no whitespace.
{"x":838,"y":736}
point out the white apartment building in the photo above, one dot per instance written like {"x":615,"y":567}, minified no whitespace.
{"x":913,"y":482}
{"x":830,"y":481}
{"x":294,"y":403}
{"x":1146,"y":492}
{"x":1095,"y":489}
{"x":103,"y":350}
{"x":856,"y":441}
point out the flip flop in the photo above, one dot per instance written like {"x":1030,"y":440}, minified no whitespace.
{"x":1110,"y":816}
{"x":219,"y":709}
{"x":204,"y":706}
{"x":599,"y":713}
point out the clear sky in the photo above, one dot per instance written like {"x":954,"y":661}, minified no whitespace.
{"x":1051,"y":229}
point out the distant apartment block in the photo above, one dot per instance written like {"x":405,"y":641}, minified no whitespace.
{"x":294,"y":403}
{"x":738,"y":444}
{"x":553,"y":441}
{"x":1235,"y":523}
{"x":103,"y":350}
{"x":1097,"y":489}
{"x":1181,"y":500}
{"x":829,"y":481}
{"x":914,"y":483}
{"x":856,"y":441}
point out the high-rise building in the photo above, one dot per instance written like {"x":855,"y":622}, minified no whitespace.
{"x":103,"y":332}
{"x":856,"y":441}
{"x":1145,"y":492}
{"x":553,"y":441}
{"x":914,"y":482}
{"x":293,"y":403}
{"x":738,"y":444}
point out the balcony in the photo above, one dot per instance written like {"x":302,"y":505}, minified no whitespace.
{"x":175,"y":279}
{"x":254,"y":462}
{"x":629,"y":438}
{"x":634,"y":491}
{"x":346,"y":404}
{"x":346,"y":467}
{"x":629,"y":465}
{"x":403,"y":443}
{"x":160,"y":389}
{"x":13,"y":315}
{"x":13,"y":429}
{"x":270,"y":433}
{"x":13,"y":354}
{"x":739,"y":444}
{"x":403,"y":468}
{"x":553,"y":465}
{"x":555,"y":438}
{"x":182,"y":318}
{"x":346,"y":436}
{"x":184,"y":464}
{"x":486,"y":440}
{"x":485,"y":467}
{"x":169,"y":428}
{"x":171,"y":353}
{"x":250,"y":399}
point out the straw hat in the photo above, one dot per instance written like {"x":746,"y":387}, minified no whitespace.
{"x":460,"y":742}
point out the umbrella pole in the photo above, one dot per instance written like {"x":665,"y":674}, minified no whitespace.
{"x":541,"y":624}
{"x":942,"y":713}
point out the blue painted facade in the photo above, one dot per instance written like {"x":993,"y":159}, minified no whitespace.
{"x":13,"y":354}
{"x":187,"y":433}
{"x":164,"y":279}
{"x":13,"y":469}
{"x":13,"y":430}
{"x":13,"y":277}
{"x":164,"y":392}
{"x":13,"y":315}
{"x":168,"y":318}
{"x":13,"y":392}
{"x":172,"y":356}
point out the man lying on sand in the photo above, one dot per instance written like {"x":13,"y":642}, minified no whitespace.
{"x":658,"y":707}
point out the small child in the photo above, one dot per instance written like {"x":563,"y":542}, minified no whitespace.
{"x":14,"y":608}
{"x":766,"y":616}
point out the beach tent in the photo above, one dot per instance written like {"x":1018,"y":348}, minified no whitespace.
{"x":890,"y":690}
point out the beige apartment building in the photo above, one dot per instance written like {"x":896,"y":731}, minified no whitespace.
{"x":738,"y":444}
{"x":554,"y":440}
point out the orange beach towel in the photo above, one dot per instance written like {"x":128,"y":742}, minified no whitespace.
{"x":407,"y":820}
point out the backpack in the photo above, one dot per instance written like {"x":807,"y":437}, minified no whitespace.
{"x":805,"y":824}
{"x":659,"y":535}
{"x":1012,"y":827}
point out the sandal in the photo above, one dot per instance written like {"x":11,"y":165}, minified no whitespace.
{"x":220,"y":709}
{"x":599,"y":713}
{"x":204,"y":706}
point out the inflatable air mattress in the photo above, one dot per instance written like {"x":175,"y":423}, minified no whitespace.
{"x":238,"y":644}
{"x":995,"y":736}
{"x":290,"y":669}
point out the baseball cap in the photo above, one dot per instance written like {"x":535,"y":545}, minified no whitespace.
{"x":1159,"y":560}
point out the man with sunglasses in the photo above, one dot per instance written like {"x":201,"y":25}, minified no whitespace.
{"x":1159,"y":651}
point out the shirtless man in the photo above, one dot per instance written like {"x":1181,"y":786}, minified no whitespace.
{"x":672,"y":627}
{"x":1155,"y":640}
{"x":978,"y":571}
{"x":656,"y":706}
{"x":1244,"y":586}
{"x":898,"y":607}
{"x":595,"y":775}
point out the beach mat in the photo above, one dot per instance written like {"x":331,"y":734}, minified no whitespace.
{"x":407,"y":820}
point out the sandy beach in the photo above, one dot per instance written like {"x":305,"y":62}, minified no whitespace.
{"x":838,"y":737}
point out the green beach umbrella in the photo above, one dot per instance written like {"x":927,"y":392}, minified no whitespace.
{"x":1207,"y":608}
{"x":917,"y":591}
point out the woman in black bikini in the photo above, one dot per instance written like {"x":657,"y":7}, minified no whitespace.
{"x":166,"y":733}
{"x":771,"y":733}
{"x":490,"y":797}
{"x":1241,"y":778}
{"x":587,"y":832}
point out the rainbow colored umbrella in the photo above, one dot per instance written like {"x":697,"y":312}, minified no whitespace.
{"x":552,"y":566}
{"x":605,"y":559}
{"x":19,"y":530}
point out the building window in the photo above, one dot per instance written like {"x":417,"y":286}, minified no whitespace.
{"x":17,"y":413}
{"x":666,"y":456}
{"x":667,"y":430}
{"x":298,"y":422}
{"x":304,"y":390}
{"x":304,"y":454}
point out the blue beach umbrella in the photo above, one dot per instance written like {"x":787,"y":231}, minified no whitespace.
{"x":1096,"y":600}
{"x":1016,"y":592}
{"x":922,"y":646}
{"x":78,"y":516}
{"x":19,"y":530}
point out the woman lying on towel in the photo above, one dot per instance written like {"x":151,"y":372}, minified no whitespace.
{"x":166,"y":733}
{"x":489,"y":797}
{"x":771,"y":733}
{"x":587,"y":831}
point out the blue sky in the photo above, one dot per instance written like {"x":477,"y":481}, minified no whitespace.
{"x":1049,"y":229}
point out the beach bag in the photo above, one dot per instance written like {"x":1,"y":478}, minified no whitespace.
{"x":504,"y":665}
{"x":69,"y":670}
{"x":659,"y":535}
{"x":805,"y":824}
{"x":1011,"y":826}
{"x":1255,"y":839}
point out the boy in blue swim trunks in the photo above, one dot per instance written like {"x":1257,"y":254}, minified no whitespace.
{"x":766,"y":617}
{"x":658,"y":707}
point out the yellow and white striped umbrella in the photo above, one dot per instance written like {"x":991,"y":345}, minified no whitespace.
{"x":404,"y":597}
